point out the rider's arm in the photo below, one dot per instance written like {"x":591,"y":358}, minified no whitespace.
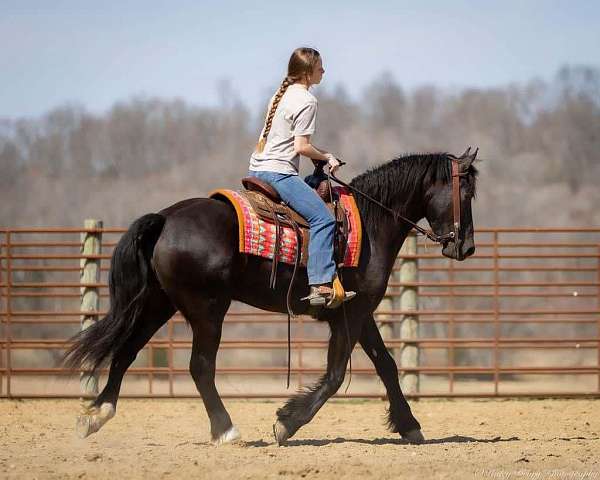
{"x":303,"y":146}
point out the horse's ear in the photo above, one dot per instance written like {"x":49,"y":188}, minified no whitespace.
{"x":467,"y":158}
{"x":467,"y":151}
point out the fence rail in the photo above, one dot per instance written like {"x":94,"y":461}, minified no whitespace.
{"x":520,"y":317}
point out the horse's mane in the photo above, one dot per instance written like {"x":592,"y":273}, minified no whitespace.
{"x":406,"y":175}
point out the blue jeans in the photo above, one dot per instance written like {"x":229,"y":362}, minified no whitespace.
{"x":297,"y":194}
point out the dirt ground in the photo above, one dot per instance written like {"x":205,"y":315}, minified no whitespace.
{"x":347,"y":439}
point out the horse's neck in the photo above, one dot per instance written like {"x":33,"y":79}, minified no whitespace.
{"x":390,"y":241}
{"x":392,"y":233}
{"x":387,"y":240}
{"x":388,"y":235}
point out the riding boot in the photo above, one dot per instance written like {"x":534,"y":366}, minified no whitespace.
{"x":321,"y":295}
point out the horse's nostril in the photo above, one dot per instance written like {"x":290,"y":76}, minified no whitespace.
{"x":470,"y":251}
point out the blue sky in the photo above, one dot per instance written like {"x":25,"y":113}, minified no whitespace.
{"x":97,"y":53}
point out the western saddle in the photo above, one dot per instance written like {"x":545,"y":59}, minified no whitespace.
{"x":269,"y":206}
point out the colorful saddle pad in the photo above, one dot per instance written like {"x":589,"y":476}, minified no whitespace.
{"x":257,"y":236}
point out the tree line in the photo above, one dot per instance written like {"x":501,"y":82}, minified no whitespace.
{"x":539,"y":133}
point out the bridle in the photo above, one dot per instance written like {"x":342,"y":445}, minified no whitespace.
{"x":442,"y":239}
{"x":456,"y":174}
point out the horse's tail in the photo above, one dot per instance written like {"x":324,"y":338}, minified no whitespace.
{"x":130,"y":274}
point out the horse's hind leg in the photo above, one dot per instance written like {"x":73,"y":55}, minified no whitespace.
{"x":400,"y":419}
{"x":156,"y":312}
{"x":206,"y":315}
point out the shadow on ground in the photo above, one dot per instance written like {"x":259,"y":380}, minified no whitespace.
{"x":382,"y":441}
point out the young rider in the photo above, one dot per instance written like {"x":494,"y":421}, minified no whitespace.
{"x":289,"y":124}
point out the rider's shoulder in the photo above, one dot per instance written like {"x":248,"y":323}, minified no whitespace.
{"x":303,"y":95}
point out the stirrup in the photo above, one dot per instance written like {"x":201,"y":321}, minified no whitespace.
{"x":339,"y":294}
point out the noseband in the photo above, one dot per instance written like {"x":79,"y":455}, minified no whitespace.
{"x":443,"y":239}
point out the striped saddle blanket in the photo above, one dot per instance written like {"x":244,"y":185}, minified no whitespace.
{"x":257,"y":236}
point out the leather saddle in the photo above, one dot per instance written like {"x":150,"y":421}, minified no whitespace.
{"x":269,"y":206}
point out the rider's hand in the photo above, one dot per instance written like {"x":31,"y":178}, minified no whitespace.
{"x":332,"y":162}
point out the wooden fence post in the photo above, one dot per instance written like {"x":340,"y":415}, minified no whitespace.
{"x":409,"y":326}
{"x":91,"y":245}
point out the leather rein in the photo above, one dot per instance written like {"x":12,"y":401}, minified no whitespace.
{"x":443,"y":239}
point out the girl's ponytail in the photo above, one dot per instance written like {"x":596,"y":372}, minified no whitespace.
{"x":262,"y":141}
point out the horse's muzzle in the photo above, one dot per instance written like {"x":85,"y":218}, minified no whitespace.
{"x":458,"y":252}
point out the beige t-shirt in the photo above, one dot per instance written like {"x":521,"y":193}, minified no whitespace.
{"x":296,"y":115}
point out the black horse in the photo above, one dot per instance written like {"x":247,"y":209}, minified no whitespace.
{"x":186,"y":258}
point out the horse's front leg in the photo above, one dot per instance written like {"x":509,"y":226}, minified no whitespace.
{"x":401,"y":419}
{"x":301,"y":408}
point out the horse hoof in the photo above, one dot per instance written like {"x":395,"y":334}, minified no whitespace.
{"x":92,"y":419}
{"x":280,"y":432}
{"x":414,"y":436}
{"x":230,"y":436}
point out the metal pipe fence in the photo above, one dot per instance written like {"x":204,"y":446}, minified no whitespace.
{"x":519,"y":318}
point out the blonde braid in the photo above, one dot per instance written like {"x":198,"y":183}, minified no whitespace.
{"x":287,"y":81}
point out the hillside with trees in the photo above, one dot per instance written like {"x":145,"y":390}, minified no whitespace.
{"x":540,"y":145}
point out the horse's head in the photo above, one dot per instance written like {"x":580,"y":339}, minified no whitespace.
{"x":442,"y":212}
